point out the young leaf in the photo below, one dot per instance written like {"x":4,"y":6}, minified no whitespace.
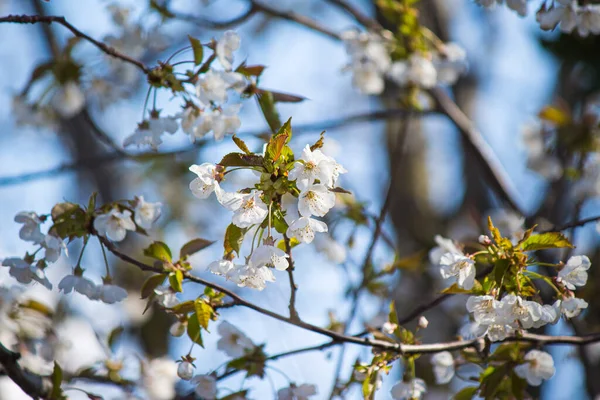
{"x":278,"y":141}
{"x":159,"y":251}
{"x":241,"y":160}
{"x":319,"y":143}
{"x":548,"y":240}
{"x":241,"y":144}
{"x":466,"y":394}
{"x":194,"y":246}
{"x":57,"y":378}
{"x":176,"y":281}
{"x":114,"y":336}
{"x":150,"y":284}
{"x":193,"y":330}
{"x":197,"y":49}
{"x":267,"y":106}
{"x":234,"y":236}
{"x":204,"y":312}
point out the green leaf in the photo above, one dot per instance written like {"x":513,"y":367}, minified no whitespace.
{"x":57,"y":378}
{"x":114,"y":336}
{"x":518,"y":386}
{"x":278,"y":141}
{"x":234,"y":236}
{"x":500,"y":241}
{"x":92,"y":203}
{"x":454,"y":289}
{"x":193,"y":330}
{"x":548,"y":240}
{"x":70,"y":221}
{"x":502,"y":265}
{"x":319,"y":143}
{"x":150,"y":284}
{"x":194,"y":246}
{"x":267,"y":106}
{"x":237,"y":395}
{"x":293,"y":243}
{"x":340,"y":190}
{"x":466,"y":394}
{"x":250,"y":70}
{"x":242,"y":160}
{"x":204,"y":312}
{"x":176,"y":281}
{"x":197,"y":49}
{"x":279,"y":222}
{"x":491,"y":379}
{"x":159,"y":251}
{"x":241,"y":144}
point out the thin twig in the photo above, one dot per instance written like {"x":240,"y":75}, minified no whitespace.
{"x":117,"y":157}
{"x":34,"y":19}
{"x":574,"y":224}
{"x":360,"y":17}
{"x":293,"y":287}
{"x":488,"y":162}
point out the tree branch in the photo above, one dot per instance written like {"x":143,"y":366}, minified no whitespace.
{"x":293,"y":287}
{"x":489,"y":163}
{"x":124,"y":156}
{"x":30,"y":383}
{"x":34,"y":19}
{"x":360,"y":17}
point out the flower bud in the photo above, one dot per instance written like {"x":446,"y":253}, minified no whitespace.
{"x":485,"y":240}
{"x":178,"y":329}
{"x":423,"y":323}
{"x":185,"y":370}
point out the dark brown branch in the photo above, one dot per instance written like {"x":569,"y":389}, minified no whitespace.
{"x":575,"y":224}
{"x":34,"y":19}
{"x":207,"y":23}
{"x":30,"y":383}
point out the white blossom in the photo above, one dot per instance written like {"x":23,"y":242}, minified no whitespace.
{"x":443,"y":367}
{"x":159,"y":378}
{"x":146,"y":213}
{"x":484,"y":309}
{"x":166,"y":297}
{"x":30,"y":231}
{"x":411,"y":390}
{"x":114,"y":224}
{"x":422,"y":322}
{"x":270,"y":256}
{"x":331,"y":248}
{"x":549,"y":315}
{"x":25,"y":273}
{"x":499,"y":331}
{"x":473,"y":330}
{"x":443,"y":246}
{"x":185,"y":370}
{"x":110,"y":294}
{"x":369,"y":60}
{"x":233,"y":341}
{"x":513,"y":308}
{"x":572,"y":306}
{"x":226,"y":45}
{"x":314,"y":166}
{"x":78,"y":284}
{"x":450,"y":63}
{"x":150,"y":132}
{"x":206,"y":182}
{"x":251,"y":210}
{"x":213,"y":85}
{"x":178,"y":329}
{"x":564,"y":13}
{"x":206,"y":386}
{"x":220,"y":267}
{"x":538,"y":366}
{"x":416,"y":70}
{"x":250,"y":276}
{"x":574,"y":273}
{"x":220,"y":121}
{"x":293,"y":392}
{"x":53,"y":247}
{"x":315,"y":200}
{"x":538,"y":159}
{"x":68,"y":100}
{"x":304,"y":228}
{"x":460,"y":267}
{"x":588,"y":20}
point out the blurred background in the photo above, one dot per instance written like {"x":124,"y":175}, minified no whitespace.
{"x":514,"y":70}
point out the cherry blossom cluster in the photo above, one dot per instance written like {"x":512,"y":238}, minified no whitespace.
{"x":313,"y":177}
{"x":206,"y":109}
{"x":371,"y":62}
{"x":569,"y":15}
{"x":113,"y":224}
{"x":236,"y":345}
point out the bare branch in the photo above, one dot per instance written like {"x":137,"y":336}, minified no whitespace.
{"x":360,"y":17}
{"x":34,"y":19}
{"x":575,"y":224}
{"x":30,"y":383}
{"x":293,"y":287}
{"x":140,"y":157}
